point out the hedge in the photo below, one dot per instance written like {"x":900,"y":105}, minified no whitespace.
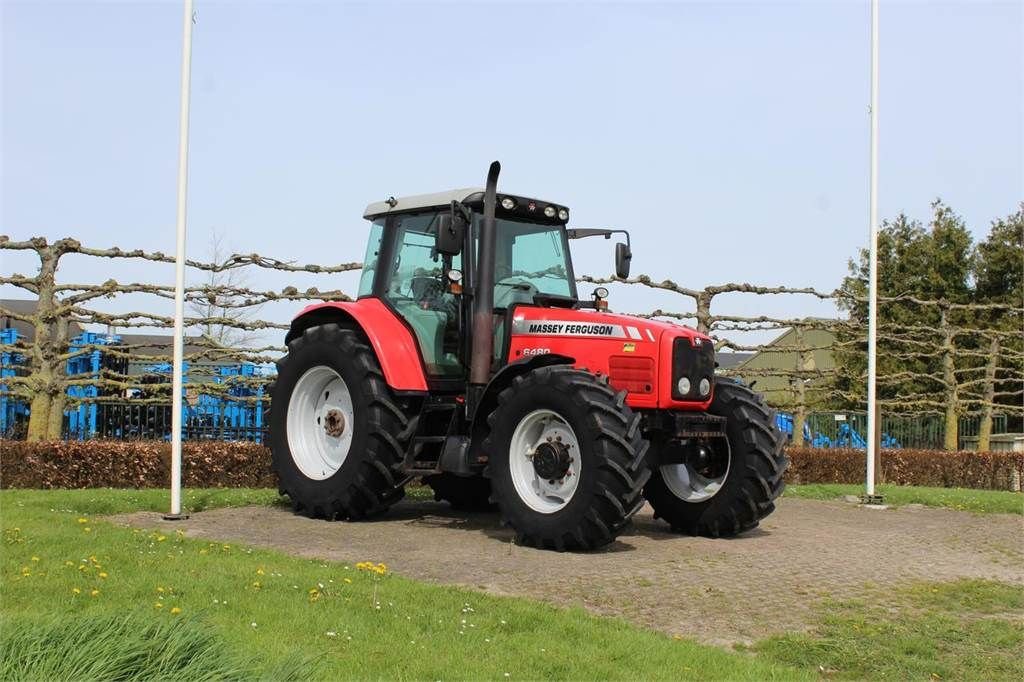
{"x":210,"y":464}
{"x":132,"y":464}
{"x":985,"y":470}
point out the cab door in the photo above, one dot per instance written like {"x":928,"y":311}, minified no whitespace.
{"x":416,"y":290}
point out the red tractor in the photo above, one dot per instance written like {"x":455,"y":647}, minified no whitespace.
{"x":469,"y":360}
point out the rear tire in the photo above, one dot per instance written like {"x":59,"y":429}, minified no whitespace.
{"x":754,"y":477}
{"x":607,"y":458}
{"x":323,"y":477}
{"x":465,"y":493}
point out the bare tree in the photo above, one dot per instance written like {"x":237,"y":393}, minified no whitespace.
{"x":223,"y":304}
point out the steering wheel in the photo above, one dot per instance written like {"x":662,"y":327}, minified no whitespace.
{"x":520,"y":291}
{"x":426,"y":290}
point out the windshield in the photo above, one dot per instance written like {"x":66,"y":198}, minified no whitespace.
{"x":530,"y":259}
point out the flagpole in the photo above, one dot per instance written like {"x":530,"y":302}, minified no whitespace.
{"x":873,"y":266}
{"x":179,"y":266}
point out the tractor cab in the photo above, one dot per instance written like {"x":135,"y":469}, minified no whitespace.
{"x":421,"y":262}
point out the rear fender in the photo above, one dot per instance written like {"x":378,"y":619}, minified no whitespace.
{"x":392,"y":342}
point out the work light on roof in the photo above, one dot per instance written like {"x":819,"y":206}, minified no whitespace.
{"x":507,"y":203}
{"x":563,"y":214}
{"x":549,"y":211}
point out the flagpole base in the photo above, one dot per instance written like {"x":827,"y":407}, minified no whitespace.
{"x":875,"y":499}
{"x":175,"y":517}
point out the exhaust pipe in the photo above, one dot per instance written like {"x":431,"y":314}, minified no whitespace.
{"x":482,"y":353}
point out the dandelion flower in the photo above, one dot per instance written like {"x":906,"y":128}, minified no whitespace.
{"x":259,"y":571}
{"x":103,"y":574}
{"x":35,"y":558}
{"x":75,"y":590}
{"x":159,"y":589}
{"x":161,"y":538}
{"x":95,"y":593}
{"x":176,"y":610}
{"x":348,"y":580}
{"x":87,"y":529}
{"x":158,"y":605}
{"x":83,"y":520}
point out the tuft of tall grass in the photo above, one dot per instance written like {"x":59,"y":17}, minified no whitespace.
{"x":124,"y":649}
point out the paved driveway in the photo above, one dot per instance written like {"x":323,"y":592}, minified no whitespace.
{"x":718,"y":591}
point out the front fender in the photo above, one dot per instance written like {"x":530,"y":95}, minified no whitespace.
{"x":504,"y":377}
{"x":392,"y":341}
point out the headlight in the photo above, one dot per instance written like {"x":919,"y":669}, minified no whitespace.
{"x":563,"y":214}
{"x":508,"y":204}
{"x":601,"y":292}
{"x":705,"y":387}
{"x":683,"y":385}
{"x":549,"y":211}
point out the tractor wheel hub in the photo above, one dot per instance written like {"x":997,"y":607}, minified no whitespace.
{"x":551,"y":460}
{"x":334,"y":423}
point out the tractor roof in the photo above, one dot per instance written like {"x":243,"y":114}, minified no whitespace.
{"x":379,"y":208}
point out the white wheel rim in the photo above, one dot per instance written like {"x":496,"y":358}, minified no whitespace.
{"x":546,"y":496}
{"x":319,"y":405}
{"x":689,"y":486}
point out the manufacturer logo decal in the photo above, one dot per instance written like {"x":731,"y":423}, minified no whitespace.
{"x":628,"y":347}
{"x":571,"y":328}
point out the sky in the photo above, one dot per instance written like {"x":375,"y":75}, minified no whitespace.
{"x":730,"y":138}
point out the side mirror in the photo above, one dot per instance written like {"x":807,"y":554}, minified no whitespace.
{"x":623,"y":256}
{"x":451,"y":231}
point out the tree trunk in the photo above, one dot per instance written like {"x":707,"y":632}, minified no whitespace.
{"x":58,"y":399}
{"x":951,"y":442}
{"x":703,"y":312}
{"x":51,"y":335}
{"x":800,"y":414}
{"x":985,"y":429}
{"x":39,"y":417}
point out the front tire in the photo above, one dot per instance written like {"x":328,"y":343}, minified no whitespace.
{"x":336,"y":429}
{"x":752,"y":478}
{"x":566,"y":459}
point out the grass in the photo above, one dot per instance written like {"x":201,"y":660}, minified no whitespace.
{"x":963,"y":630}
{"x":960,"y":499}
{"x":105,"y":647}
{"x":169,"y":607}
{"x":251,"y":612}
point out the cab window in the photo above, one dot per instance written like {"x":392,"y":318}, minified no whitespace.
{"x":416,"y":289}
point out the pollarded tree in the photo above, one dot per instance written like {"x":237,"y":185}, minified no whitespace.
{"x":999,"y":280}
{"x":933,"y":263}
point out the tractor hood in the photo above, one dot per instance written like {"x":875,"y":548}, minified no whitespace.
{"x":537,"y":321}
{"x":644,"y":357}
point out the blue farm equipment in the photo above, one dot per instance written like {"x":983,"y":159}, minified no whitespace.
{"x":785,"y":423}
{"x":13,"y":411}
{"x":89,"y":361}
{"x":845,"y":436}
{"x":235,"y":414}
{"x":849,"y":438}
